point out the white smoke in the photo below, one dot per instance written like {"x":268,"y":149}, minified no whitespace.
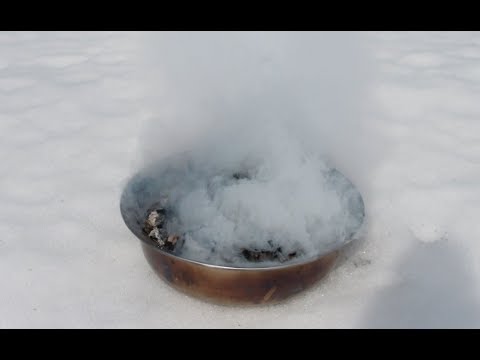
{"x":281,"y":106}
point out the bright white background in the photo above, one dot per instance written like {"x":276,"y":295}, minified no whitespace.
{"x":70,"y":118}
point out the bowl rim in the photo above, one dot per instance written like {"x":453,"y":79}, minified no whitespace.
{"x":306,"y":261}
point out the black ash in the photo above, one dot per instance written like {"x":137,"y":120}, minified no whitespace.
{"x":273,"y":253}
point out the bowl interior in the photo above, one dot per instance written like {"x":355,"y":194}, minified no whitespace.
{"x":144,"y":189}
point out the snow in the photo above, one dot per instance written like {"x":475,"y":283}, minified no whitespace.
{"x":71,"y":113}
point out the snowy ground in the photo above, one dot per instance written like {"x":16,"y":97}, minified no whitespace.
{"x":70,"y":113}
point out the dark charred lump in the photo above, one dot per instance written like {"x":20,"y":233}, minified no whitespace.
{"x":272,"y":254}
{"x":155,"y":228}
{"x":241,"y":175}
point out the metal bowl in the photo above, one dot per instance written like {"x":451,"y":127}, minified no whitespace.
{"x":226,"y":284}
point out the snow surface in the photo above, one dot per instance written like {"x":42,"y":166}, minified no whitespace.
{"x":70,"y":118}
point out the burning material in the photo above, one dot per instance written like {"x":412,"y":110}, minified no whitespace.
{"x":155,"y":228}
{"x":273,"y":254}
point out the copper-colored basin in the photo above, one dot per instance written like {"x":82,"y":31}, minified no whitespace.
{"x":225,"y":284}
